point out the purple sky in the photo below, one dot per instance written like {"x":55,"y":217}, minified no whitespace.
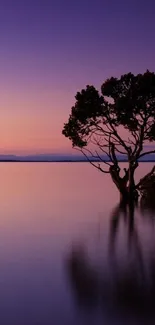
{"x":50,"y":49}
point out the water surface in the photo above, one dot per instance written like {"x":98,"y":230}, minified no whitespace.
{"x":62,"y":234}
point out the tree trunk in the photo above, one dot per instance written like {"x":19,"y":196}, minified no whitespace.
{"x":120,"y":184}
{"x":131,"y":186}
{"x":125,"y":185}
{"x":124,"y":195}
{"x":133,"y":193}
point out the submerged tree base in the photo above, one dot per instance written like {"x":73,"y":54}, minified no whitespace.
{"x":127,"y":197}
{"x":147,"y":188}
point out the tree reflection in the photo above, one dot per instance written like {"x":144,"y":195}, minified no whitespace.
{"x":128,"y":287}
{"x":83,"y":278}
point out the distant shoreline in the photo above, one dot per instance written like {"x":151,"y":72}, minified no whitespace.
{"x":65,"y":161}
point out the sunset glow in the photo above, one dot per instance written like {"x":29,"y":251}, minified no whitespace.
{"x":49,"y":51}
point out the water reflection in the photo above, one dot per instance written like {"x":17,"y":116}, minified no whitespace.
{"x":124,"y":286}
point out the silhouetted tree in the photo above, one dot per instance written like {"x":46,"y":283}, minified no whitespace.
{"x":96,"y":124}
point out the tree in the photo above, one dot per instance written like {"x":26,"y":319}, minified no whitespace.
{"x":120,"y":120}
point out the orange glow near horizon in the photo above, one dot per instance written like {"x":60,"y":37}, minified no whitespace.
{"x":33,"y":124}
{"x":47,"y":56}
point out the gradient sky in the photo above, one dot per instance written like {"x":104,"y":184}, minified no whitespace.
{"x":51,"y":49}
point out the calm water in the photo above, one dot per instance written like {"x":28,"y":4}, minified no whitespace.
{"x":68,"y":253}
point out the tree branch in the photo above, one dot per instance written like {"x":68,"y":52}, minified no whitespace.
{"x":90,"y":161}
{"x":98,"y":167}
{"x":140,"y":144}
{"x":121,"y":152}
{"x":117,"y":135}
{"x":142,"y":180}
{"x":105,"y":162}
{"x":146,"y":153}
{"x":101,"y":148}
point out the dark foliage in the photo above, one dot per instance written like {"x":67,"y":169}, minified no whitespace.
{"x":96,"y":121}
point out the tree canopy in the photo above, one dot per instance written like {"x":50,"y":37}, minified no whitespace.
{"x":118,"y":120}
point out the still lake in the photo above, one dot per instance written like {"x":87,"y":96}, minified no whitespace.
{"x":69,"y":254}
